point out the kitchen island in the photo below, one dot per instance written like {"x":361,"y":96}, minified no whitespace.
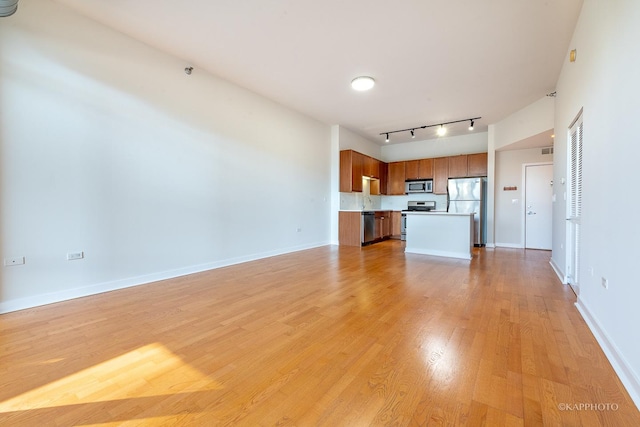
{"x":440,"y":233}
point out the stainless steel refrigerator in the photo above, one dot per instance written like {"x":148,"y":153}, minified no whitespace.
{"x":467,"y":195}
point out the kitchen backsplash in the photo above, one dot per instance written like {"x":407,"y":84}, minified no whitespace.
{"x":398,"y":203}
{"x":365,"y":201}
{"x":361,"y":201}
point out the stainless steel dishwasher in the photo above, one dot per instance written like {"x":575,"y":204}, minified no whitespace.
{"x":368,"y":227}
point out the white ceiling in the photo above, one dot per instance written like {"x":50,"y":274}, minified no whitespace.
{"x":433,"y":60}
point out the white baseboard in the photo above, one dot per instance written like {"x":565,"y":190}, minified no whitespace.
{"x":620,"y":365}
{"x":490,"y":245}
{"x":559,"y":272}
{"x":97,"y":288}
{"x":448,"y":254}
{"x":510,"y":245}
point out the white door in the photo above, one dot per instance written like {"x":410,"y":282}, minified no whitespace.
{"x":538,"y":206}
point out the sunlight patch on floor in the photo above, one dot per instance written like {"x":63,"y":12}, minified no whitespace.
{"x":149,"y":371}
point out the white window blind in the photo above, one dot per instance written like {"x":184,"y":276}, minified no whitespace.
{"x":576,"y":170}
{"x":575,"y":200}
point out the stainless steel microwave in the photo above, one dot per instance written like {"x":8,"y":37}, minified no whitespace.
{"x":419,"y":186}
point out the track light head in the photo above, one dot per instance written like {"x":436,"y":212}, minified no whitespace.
{"x":442,"y":131}
{"x":413,"y":135}
{"x":387,"y":139}
{"x":188,"y":70}
{"x":471,"y":125}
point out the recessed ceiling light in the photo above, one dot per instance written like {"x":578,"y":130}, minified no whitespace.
{"x":362,"y":83}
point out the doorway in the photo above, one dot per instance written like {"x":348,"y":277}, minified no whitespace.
{"x":538,"y":199}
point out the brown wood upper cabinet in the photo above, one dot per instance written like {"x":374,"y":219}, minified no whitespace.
{"x":440,"y":175}
{"x":351,"y":171}
{"x":418,"y":169}
{"x":468,"y":165}
{"x":396,"y":178}
{"x":425,"y":168}
{"x":458,"y":166}
{"x":411,"y":169}
{"x":371,"y":167}
{"x":383,"y":182}
{"x":354,"y":166}
{"x":389,"y":178}
{"x":477,"y":164}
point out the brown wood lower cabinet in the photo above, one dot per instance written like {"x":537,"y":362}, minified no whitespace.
{"x":349,"y":224}
{"x":383,"y":225}
{"x":350,"y":227}
{"x":396,"y":224}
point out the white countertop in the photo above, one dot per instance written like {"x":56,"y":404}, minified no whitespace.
{"x":368,"y":210}
{"x":438,"y":213}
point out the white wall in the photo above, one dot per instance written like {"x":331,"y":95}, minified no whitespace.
{"x":351,"y":141}
{"x":440,"y":147}
{"x":508,"y":173}
{"x":604,"y":81}
{"x":528,"y":122}
{"x":108,"y":147}
{"x":525,"y":123}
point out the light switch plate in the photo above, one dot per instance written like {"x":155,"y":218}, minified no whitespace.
{"x":75,"y":255}
{"x":8,"y":262}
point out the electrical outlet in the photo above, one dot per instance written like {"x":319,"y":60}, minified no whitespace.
{"x":75,"y":255}
{"x":605,"y":283}
{"x":298,"y":230}
{"x":8,"y":262}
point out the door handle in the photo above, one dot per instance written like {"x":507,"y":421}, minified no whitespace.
{"x":531,"y":213}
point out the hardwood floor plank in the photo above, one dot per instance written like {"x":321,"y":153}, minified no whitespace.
{"x":325,"y":337}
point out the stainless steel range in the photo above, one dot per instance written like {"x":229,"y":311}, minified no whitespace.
{"x":414,"y":206}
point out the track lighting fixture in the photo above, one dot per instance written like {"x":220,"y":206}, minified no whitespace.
{"x":442,"y":130}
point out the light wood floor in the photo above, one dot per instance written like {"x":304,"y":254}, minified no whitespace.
{"x":330,"y":336}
